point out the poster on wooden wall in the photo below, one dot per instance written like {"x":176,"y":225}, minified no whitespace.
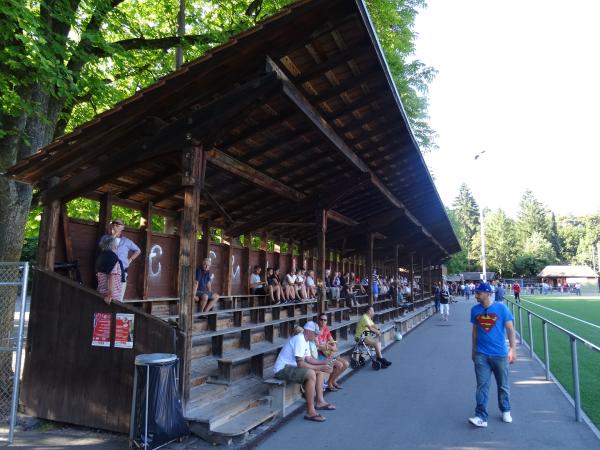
{"x":101,"y":330}
{"x":124,"y":330}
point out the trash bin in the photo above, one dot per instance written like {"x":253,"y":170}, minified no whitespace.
{"x":156,"y":413}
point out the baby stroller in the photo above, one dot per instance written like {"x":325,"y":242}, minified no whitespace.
{"x":361,"y":352}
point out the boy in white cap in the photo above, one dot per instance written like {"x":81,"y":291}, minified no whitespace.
{"x":294,"y":364}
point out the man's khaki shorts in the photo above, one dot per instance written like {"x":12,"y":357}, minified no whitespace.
{"x":292,"y":374}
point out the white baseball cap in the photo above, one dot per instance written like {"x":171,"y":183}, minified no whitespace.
{"x":311,"y":326}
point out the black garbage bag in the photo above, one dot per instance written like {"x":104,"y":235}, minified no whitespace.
{"x":156,"y":388}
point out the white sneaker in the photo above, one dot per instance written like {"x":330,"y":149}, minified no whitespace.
{"x":506,"y":417}
{"x":478,"y":422}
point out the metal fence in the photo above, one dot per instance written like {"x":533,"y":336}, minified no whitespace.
{"x":13,"y":296}
{"x":524,"y":318}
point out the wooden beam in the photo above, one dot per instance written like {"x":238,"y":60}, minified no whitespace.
{"x":324,"y":199}
{"x":152,"y":181}
{"x":217,"y":206}
{"x":321,"y":219}
{"x":200,"y":122}
{"x":193,"y":164}
{"x":167,"y":194}
{"x":248,"y":173}
{"x":311,"y":113}
{"x":370,"y":239}
{"x":340,"y":218}
{"x":146,"y":230}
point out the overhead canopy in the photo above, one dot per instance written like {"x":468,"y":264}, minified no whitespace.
{"x":568,"y":272}
{"x":297,"y":113}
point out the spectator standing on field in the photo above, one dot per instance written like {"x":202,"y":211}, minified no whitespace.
{"x":516,"y":287}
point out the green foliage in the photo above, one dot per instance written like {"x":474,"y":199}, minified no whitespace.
{"x":458,"y":262}
{"x":84,"y":208}
{"x":394,"y":20}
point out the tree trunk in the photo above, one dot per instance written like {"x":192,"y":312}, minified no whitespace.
{"x":15,"y":199}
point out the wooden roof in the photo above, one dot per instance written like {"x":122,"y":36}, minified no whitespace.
{"x":568,"y":272}
{"x":297,"y":112}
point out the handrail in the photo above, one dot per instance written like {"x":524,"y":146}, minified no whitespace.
{"x":574,"y":338}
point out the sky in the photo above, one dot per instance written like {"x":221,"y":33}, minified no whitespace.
{"x":519,"y":80}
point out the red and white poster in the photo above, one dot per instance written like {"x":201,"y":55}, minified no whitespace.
{"x":101,"y":330}
{"x":124,"y":331}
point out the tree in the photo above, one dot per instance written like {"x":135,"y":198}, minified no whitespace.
{"x":466,"y":213}
{"x":501,"y":243}
{"x":64,"y":61}
{"x":458,"y":262}
{"x":536,"y":254}
{"x":533,"y":218}
{"x":570,"y":231}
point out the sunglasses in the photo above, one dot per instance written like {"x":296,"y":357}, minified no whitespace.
{"x":323,"y":320}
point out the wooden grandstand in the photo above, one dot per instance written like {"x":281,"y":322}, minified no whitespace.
{"x":292,"y":131}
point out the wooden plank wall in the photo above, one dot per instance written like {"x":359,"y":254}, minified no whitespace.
{"x":66,"y":379}
{"x":162,"y":259}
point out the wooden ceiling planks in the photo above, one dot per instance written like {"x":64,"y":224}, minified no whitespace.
{"x":334,"y":119}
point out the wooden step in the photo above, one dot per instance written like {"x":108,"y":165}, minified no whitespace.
{"x":246,"y":421}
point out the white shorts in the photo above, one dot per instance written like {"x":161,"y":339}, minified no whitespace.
{"x":445,"y":309}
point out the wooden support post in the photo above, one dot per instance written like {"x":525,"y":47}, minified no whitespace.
{"x":430,"y":279}
{"x":49,"y":233}
{"x":193,"y":167}
{"x":302,"y":261}
{"x":370,"y":239}
{"x":321,"y":219}
{"x":67,"y":235}
{"x":205,"y":239}
{"x":262,"y":256}
{"x":106,"y":204}
{"x":246,"y":270}
{"x":227,"y":267}
{"x":411,"y":275}
{"x":396,"y":261}
{"x":146,"y":247}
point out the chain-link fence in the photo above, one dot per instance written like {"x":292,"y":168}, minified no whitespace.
{"x":13,"y":295}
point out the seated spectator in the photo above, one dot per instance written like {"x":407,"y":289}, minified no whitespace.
{"x":202,"y":287}
{"x":311,"y":286}
{"x":274,"y":285}
{"x":109,"y":270}
{"x":367,"y":326}
{"x":257,"y":286}
{"x":336,"y":284}
{"x":346,"y":290}
{"x":327,"y":349}
{"x":301,"y":285}
{"x":327,"y":281}
{"x":290,"y":286}
{"x":295,"y":365}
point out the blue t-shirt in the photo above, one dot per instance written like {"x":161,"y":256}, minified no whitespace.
{"x":203,"y":278}
{"x":491,"y":334}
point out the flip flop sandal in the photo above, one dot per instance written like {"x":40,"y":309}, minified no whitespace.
{"x":326,"y":407}
{"x":317,"y":418}
{"x":331,"y":389}
{"x":338,"y":387}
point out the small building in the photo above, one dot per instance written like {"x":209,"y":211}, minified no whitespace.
{"x":476,"y":277}
{"x":561,"y":275}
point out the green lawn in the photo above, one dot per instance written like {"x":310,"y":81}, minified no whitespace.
{"x":585,"y":308}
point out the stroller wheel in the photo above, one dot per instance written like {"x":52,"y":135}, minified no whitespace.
{"x":361,"y":361}
{"x":354,"y":363}
{"x":376,"y":365}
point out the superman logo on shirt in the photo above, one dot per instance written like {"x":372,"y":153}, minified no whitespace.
{"x":487,"y":321}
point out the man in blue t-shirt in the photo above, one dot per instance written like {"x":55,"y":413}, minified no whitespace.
{"x":492,"y":323}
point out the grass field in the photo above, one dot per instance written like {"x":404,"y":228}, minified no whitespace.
{"x":586,"y":309}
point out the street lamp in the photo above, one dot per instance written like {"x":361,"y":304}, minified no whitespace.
{"x":482,"y":231}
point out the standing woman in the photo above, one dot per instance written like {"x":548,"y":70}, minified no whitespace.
{"x":445,"y":302}
{"x":109,"y":270}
